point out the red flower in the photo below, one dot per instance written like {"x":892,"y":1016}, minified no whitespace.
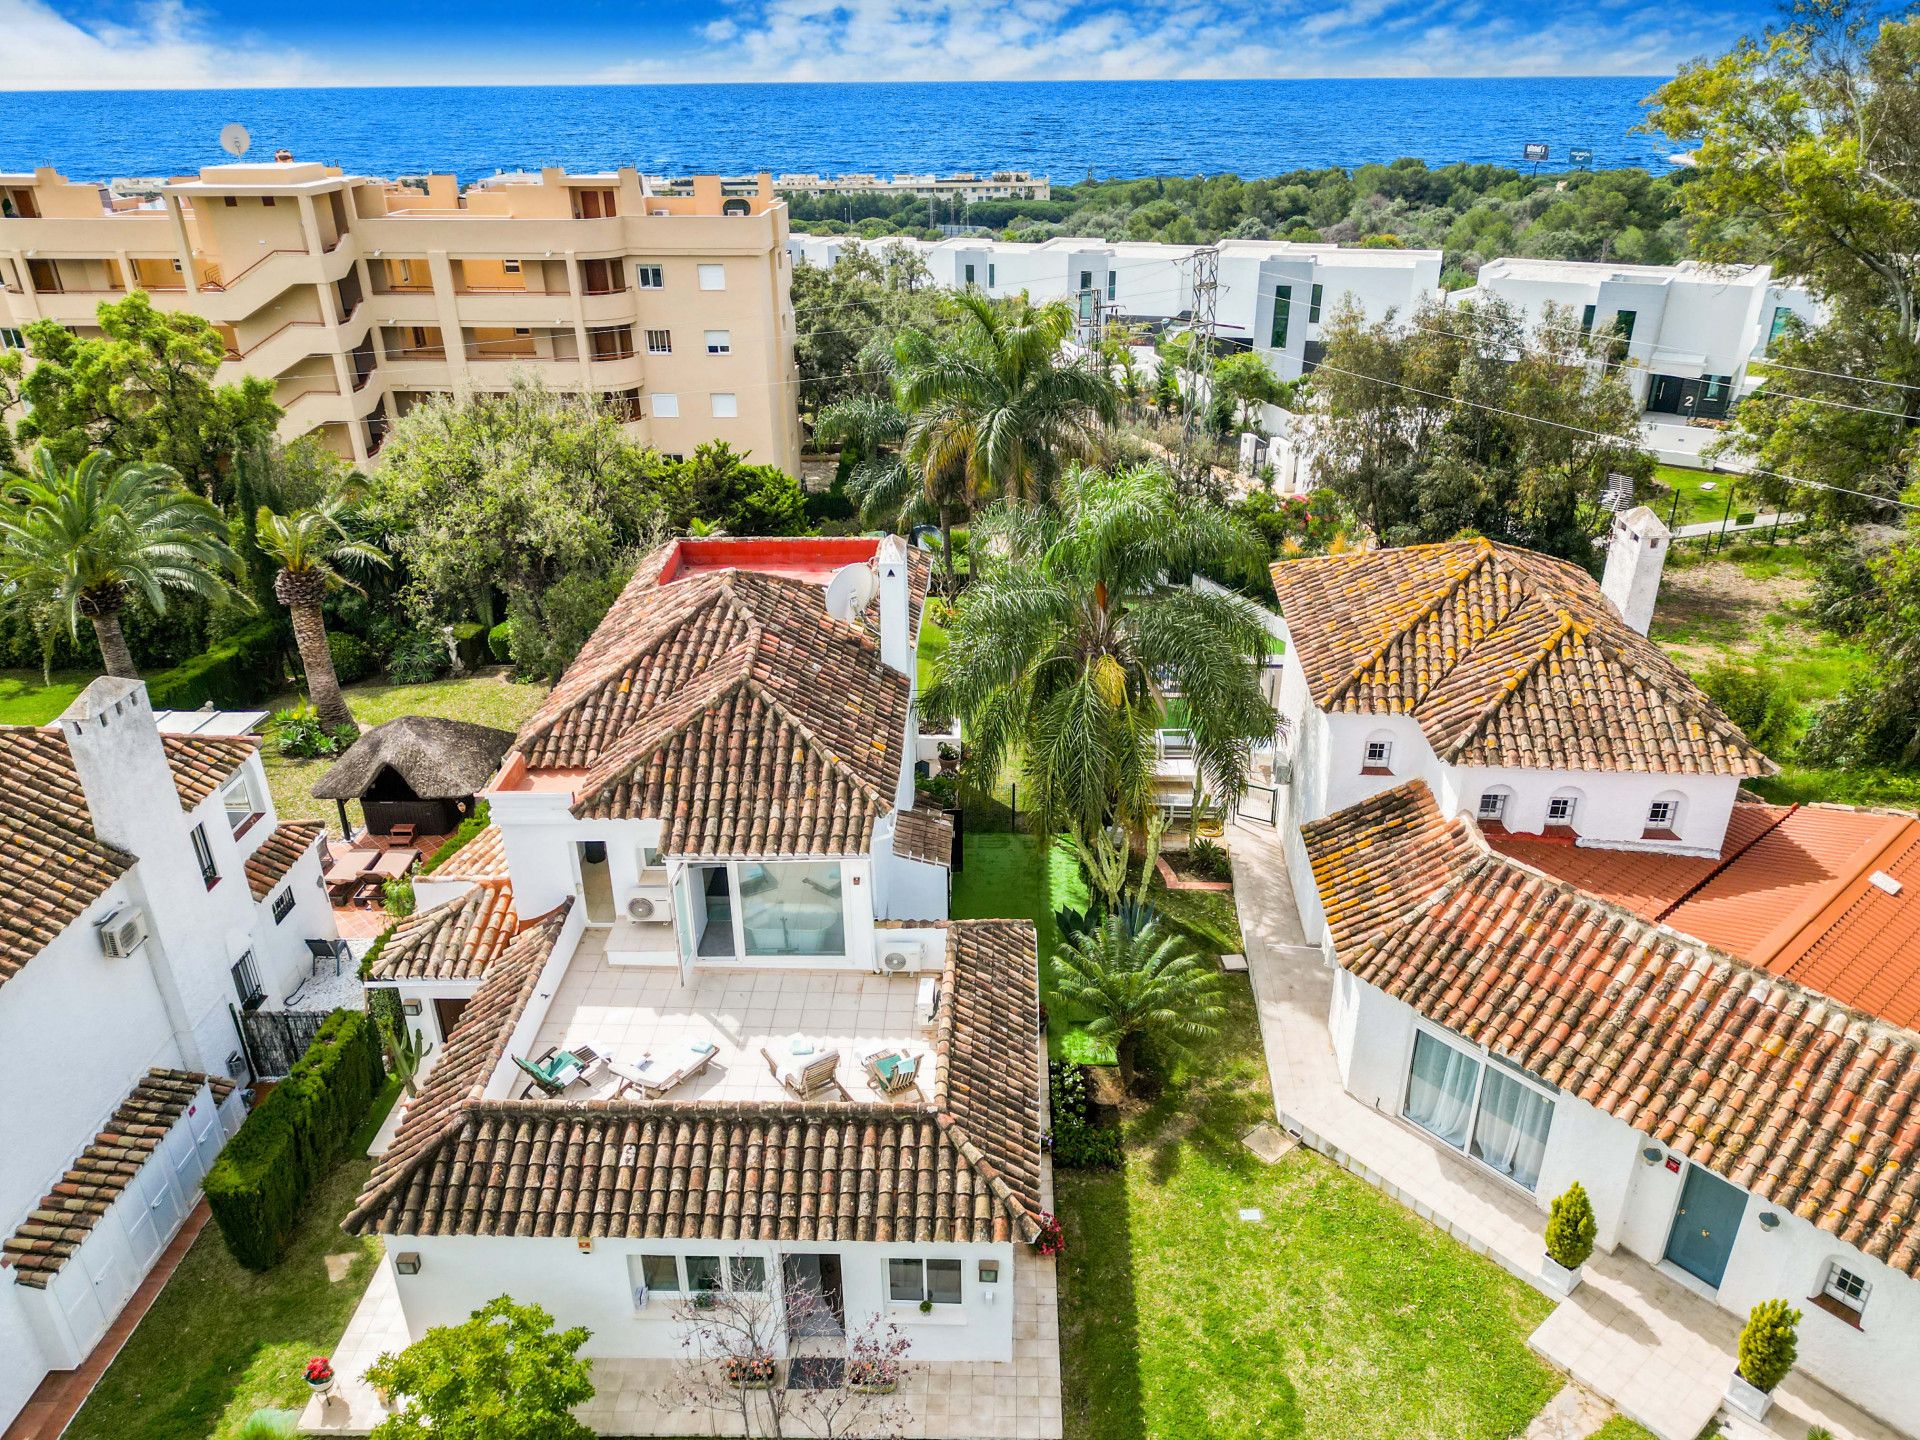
{"x":1052,"y":1239}
{"x":319,"y":1370}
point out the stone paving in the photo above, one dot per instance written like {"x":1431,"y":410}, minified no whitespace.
{"x":1659,"y":1353}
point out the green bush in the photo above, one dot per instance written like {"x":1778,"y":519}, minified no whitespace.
{"x":353,"y":658}
{"x":1077,"y":1142}
{"x":1769,"y":1344}
{"x":260,"y":1183}
{"x":452,"y":845}
{"x":399,"y":897}
{"x":1755,"y":699}
{"x":500,"y":641}
{"x":300,"y":735}
{"x":470,"y":643}
{"x":241,"y":670}
{"x":418,"y":656}
{"x":1571,"y":1228}
{"x":548,"y":632}
{"x":1209,"y":860}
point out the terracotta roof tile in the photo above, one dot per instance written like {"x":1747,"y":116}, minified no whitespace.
{"x":964,"y":1167}
{"x":925,"y":835}
{"x":201,"y":764}
{"x":458,"y":939}
{"x":1504,"y":657}
{"x":1802,"y":1101}
{"x":728,"y":704}
{"x":482,"y":858}
{"x":66,"y":1215}
{"x":279,"y":853}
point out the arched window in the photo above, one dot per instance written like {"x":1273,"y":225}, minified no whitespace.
{"x":1664,"y":816}
{"x":1563,"y":809}
{"x":1377,"y":759}
{"x":1494,"y":804}
{"x":735,"y":206}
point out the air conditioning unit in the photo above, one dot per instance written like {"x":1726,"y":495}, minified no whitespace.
{"x":926,"y":1001}
{"x":899,"y":957}
{"x":236,"y":1064}
{"x":645,"y":905}
{"x":121,"y":932}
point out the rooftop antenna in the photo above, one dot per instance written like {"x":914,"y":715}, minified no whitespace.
{"x":234,"y":139}
{"x":851,"y":591}
{"x":1196,"y":461}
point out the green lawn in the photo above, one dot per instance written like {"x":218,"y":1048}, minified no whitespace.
{"x":489,"y":698}
{"x":26,"y":700}
{"x":1338,"y":1315}
{"x":933,"y":644}
{"x":1619,"y":1427}
{"x":1696,"y":502}
{"x":221,"y":1341}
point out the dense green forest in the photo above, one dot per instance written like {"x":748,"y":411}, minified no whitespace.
{"x":1473,"y":212}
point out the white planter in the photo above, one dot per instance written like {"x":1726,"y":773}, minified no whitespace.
{"x":1749,"y":1400}
{"x":1557,"y":1278}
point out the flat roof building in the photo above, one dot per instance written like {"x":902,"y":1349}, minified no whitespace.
{"x":358,"y":297}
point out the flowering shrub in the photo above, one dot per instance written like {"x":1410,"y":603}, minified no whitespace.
{"x":750,"y":1370}
{"x":319,"y":1370}
{"x":1052,"y":1239}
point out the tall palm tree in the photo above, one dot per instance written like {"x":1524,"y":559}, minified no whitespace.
{"x":1077,"y":628}
{"x":84,"y":540}
{"x":998,"y":399}
{"x":314,"y":549}
{"x":1138,"y":984}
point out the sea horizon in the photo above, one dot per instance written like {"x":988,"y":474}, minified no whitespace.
{"x":1064,"y":129}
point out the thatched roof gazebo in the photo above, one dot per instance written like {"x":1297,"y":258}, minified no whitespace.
{"x":417,"y":770}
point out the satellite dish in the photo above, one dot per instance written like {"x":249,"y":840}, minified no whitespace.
{"x":234,"y":139}
{"x":850,"y":591}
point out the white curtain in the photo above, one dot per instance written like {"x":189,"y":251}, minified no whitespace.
{"x":1440,"y":1089}
{"x":1511,"y":1135}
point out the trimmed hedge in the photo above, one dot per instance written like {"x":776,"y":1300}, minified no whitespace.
{"x":454,"y":843}
{"x":260,"y":1184}
{"x":500,"y":642}
{"x":243,"y":669}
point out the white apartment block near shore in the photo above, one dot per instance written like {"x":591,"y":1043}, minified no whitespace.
{"x":964,"y":186}
{"x":1687,"y":332}
{"x":358,"y":297}
{"x":1274,"y":297}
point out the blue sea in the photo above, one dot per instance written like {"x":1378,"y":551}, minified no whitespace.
{"x":1064,"y":129}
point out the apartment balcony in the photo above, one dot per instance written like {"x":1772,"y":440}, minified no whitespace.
{"x":404,"y":307}
{"x":515,"y":307}
{"x":616,"y":307}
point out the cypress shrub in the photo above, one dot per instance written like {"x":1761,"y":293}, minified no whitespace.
{"x":260,"y":1184}
{"x":1571,"y":1228}
{"x":242,"y":669}
{"x":1769,"y":1344}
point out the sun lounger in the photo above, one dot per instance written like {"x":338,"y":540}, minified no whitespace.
{"x":558,"y":1070}
{"x":392,"y":864}
{"x":803,"y":1070}
{"x":656,"y":1075}
{"x":892,"y":1071}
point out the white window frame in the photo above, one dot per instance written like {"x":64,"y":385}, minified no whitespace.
{"x":250,"y":805}
{"x":724,"y":404}
{"x":1378,"y":755}
{"x":1493,"y":805}
{"x":728,"y":1273}
{"x":12,"y":338}
{"x":665,"y":406}
{"x":245,"y":967}
{"x":1572,"y":803}
{"x":1670,"y":823}
{"x":719,"y":342}
{"x":1486,"y":1060}
{"x":283,"y":904}
{"x":659,"y":342}
{"x":203,"y":856}
{"x":925,"y":1294}
{"x":649,"y":277}
{"x":1833,"y":1288}
{"x":713,"y":277}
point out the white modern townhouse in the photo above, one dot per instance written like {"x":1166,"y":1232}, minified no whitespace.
{"x":147,"y":893}
{"x":1274,"y":296}
{"x":699,"y":1020}
{"x":1568,"y":945}
{"x":1687,"y":332}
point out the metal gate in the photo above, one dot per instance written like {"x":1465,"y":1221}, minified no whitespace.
{"x":1259,"y":803}
{"x":276,"y":1038}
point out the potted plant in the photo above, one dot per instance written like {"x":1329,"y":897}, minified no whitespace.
{"x":1768,"y":1347}
{"x":1052,"y":1239}
{"x":1570,"y":1233}
{"x":926,"y":1307}
{"x":872,"y":1376}
{"x":320,"y":1375}
{"x":751,"y":1372}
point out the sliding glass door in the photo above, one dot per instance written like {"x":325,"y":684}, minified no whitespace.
{"x":729,"y":909}
{"x":1477,"y":1106}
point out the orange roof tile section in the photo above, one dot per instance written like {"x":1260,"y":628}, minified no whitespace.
{"x":1794,"y":892}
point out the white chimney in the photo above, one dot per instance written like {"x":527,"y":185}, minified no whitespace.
{"x":1636,"y":554}
{"x":896,"y":610}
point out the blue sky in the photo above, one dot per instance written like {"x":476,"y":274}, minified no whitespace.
{"x":60,"y":44}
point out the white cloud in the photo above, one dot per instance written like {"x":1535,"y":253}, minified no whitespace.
{"x":167,"y":45}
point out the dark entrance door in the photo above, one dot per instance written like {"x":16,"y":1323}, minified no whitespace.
{"x":447,"y":1013}
{"x":817,"y":1276}
{"x":1705,"y":1224}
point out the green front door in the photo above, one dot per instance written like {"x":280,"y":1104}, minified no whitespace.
{"x":1705,"y":1224}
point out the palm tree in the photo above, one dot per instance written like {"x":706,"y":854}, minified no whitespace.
{"x":892,"y":490}
{"x":1138,"y":984}
{"x":313,"y":548}
{"x":997,"y":399}
{"x":1076,"y":630}
{"x":83,"y":540}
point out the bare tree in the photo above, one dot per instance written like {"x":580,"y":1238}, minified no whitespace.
{"x":731,"y":1363}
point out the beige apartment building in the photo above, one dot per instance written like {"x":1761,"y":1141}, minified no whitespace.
{"x":358,"y":297}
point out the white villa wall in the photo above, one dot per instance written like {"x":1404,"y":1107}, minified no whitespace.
{"x":1634,"y":1201}
{"x":26,"y":1362}
{"x":458,"y":1274}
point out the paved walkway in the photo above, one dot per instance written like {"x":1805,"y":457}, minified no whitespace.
{"x":1659,"y":1353}
{"x":58,"y":1397}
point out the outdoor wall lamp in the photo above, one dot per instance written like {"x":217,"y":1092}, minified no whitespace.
{"x":1652,"y":1155}
{"x":407,"y":1262}
{"x":585,"y":1242}
{"x":410,"y":1007}
{"x":1769,"y":1220}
